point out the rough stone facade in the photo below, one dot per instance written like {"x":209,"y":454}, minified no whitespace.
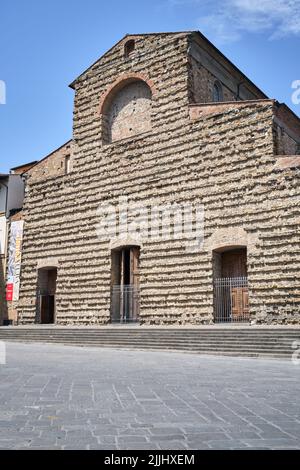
{"x":226,"y":156}
{"x":54,"y":165}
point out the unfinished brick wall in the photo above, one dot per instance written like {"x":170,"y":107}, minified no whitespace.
{"x":52,"y":166}
{"x":203,"y":82}
{"x":286,"y":131}
{"x":223,"y":160}
{"x":288,"y":144}
{"x":206,"y":67}
{"x":285,"y":144}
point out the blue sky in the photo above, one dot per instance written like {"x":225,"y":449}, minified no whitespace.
{"x":45,"y":44}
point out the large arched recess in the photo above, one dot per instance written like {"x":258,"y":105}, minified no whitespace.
{"x":126,"y":108}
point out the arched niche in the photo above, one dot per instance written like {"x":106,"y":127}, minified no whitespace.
{"x":126,"y":110}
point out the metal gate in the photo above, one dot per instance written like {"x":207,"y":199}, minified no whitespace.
{"x":231,"y":300}
{"x":125,"y":304}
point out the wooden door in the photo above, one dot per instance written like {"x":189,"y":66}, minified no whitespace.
{"x":134,"y":267}
{"x":239,"y":302}
{"x":51,"y":308}
{"x":135,"y":281}
{"x":47,"y":309}
{"x":44,"y":308}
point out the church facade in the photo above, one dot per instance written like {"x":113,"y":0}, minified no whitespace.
{"x":176,"y":201}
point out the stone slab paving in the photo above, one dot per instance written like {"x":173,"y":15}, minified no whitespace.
{"x":62,"y":397}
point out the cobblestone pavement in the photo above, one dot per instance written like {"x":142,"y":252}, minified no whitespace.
{"x":60,"y":397}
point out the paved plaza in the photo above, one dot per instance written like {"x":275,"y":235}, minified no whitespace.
{"x":61,"y":397}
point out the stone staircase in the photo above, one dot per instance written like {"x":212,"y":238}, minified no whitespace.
{"x":232,"y":341}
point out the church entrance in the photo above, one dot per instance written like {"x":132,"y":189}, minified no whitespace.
{"x":46,"y":295}
{"x":125,"y":295}
{"x":231,"y":296}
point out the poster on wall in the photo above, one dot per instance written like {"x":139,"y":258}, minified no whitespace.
{"x":2,"y":234}
{"x":14,"y":261}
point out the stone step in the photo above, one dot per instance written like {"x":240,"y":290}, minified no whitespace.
{"x":160,"y":344}
{"x":234,"y":342}
{"x":183,"y":341}
{"x":213,"y":341}
{"x":150,"y":333}
{"x":164,"y":344}
{"x":205,"y":350}
{"x":186,"y":337}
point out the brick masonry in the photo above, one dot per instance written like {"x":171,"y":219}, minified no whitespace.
{"x":225,"y":156}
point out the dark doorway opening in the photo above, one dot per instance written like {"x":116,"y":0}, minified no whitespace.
{"x":234,"y":263}
{"x":47,"y":295}
{"x":125,"y":305}
{"x":231,"y":295}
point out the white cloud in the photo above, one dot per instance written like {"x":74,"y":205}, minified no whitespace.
{"x":227,"y":20}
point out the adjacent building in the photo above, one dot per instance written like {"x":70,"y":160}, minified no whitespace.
{"x":176,"y":201}
{"x":11,"y":199}
{"x":12,"y":187}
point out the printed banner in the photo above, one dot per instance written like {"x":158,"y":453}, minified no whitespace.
{"x":14,"y":260}
{"x":9,"y":292}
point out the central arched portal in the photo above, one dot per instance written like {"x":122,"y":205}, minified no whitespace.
{"x":125,"y":295}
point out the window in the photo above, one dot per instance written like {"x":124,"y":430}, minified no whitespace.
{"x":217,"y":92}
{"x":68,"y":164}
{"x":129,"y":48}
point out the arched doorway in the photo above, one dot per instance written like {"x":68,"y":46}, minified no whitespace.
{"x":231,"y":297}
{"x":46,"y":295}
{"x":125,"y":305}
